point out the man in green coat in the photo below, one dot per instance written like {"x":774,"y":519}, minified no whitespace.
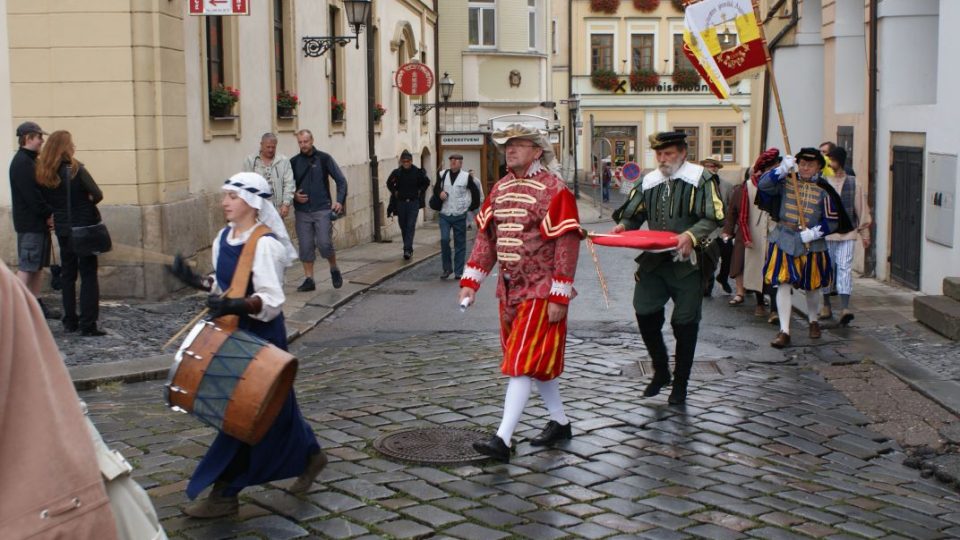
{"x":681,"y":197}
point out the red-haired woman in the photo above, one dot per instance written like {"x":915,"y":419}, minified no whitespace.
{"x":71,"y":191}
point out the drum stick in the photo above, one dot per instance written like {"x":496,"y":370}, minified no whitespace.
{"x":184,"y":329}
{"x":128,"y":253}
{"x":191,"y":323}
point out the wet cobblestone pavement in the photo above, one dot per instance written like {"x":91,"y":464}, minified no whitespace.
{"x":134,"y":329}
{"x":773,"y":452}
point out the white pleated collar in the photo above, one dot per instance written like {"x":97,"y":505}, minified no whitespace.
{"x":689,"y":173}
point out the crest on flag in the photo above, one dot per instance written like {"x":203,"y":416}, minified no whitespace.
{"x":704,"y":22}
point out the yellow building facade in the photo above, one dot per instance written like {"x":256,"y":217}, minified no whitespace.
{"x":629,"y":78}
{"x":130,"y":79}
{"x":499,"y":54}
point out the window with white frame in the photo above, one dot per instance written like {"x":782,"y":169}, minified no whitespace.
{"x":641,"y":52}
{"x":483,"y":23}
{"x":723,"y":142}
{"x":532,"y":24}
{"x":693,"y":142}
{"x":601,"y":52}
{"x":680,"y":60}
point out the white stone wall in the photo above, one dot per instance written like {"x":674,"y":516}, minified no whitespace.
{"x":938,"y":120}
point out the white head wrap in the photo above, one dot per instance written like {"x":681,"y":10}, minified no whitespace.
{"x":256,"y":192}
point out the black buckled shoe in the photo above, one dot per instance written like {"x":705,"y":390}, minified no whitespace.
{"x":494,"y":448}
{"x":336,"y":278}
{"x":660,"y":379}
{"x":552,"y":434}
{"x":678,"y":396}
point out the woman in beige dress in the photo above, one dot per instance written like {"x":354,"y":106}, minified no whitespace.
{"x":748,"y":225}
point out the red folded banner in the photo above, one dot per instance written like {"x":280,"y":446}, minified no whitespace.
{"x":645,"y":240}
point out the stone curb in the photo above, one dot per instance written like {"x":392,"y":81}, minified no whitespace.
{"x":301,"y":321}
{"x":921,"y":379}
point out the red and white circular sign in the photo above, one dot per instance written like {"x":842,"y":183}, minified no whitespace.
{"x":414,"y":79}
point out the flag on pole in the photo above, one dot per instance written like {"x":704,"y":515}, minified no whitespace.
{"x":704,"y":21}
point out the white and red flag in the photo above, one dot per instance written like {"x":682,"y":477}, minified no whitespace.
{"x":704,"y":21}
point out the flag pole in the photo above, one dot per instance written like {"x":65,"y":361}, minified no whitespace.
{"x":776,"y":99}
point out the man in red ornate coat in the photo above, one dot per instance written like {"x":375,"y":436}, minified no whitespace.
{"x":529,"y":224}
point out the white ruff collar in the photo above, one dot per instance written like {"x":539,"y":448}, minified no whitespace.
{"x":689,"y":173}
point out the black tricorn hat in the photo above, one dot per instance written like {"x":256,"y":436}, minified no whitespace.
{"x":664,"y":139}
{"x":811,"y":154}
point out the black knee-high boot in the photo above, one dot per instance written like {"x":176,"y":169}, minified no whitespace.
{"x":651,"y":330}
{"x":686,"y":335}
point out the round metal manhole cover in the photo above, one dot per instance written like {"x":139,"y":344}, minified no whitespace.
{"x":432,"y":446}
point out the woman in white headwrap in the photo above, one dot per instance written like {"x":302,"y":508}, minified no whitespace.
{"x":289,"y":448}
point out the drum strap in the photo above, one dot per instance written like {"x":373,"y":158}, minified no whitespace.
{"x":241,"y":276}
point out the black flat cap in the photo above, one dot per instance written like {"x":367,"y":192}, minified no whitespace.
{"x":456,"y":156}
{"x":811,"y":154}
{"x":667,"y":138}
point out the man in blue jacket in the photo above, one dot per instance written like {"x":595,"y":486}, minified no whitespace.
{"x":32,"y":216}
{"x":315,"y":207}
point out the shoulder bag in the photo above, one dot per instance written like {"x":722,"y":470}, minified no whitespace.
{"x":88,"y":240}
{"x":435,"y":202}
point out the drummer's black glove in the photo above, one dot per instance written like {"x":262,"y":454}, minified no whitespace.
{"x":182,"y":271}
{"x":233,"y":306}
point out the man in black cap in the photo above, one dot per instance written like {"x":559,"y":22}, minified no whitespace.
{"x":408,"y":184}
{"x":32,"y":216}
{"x":681,"y":197}
{"x":797,"y":257}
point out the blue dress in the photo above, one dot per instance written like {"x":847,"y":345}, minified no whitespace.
{"x":284,"y":450}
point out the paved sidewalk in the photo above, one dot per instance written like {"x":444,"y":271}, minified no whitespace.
{"x":884,"y":331}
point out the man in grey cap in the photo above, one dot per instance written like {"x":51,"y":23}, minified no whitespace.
{"x":32,"y":216}
{"x":459,"y":194}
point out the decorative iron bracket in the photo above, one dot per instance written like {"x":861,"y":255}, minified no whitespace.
{"x":315,"y":46}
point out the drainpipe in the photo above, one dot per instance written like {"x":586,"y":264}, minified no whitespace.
{"x":371,"y":141}
{"x":436,"y":88}
{"x":870,"y":255}
{"x":572,"y":117}
{"x":771,"y":46}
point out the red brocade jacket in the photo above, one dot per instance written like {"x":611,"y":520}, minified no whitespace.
{"x":531,"y":227}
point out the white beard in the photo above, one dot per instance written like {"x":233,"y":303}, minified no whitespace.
{"x":670,"y":169}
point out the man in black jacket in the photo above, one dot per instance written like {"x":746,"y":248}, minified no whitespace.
{"x":315,"y":207}
{"x":408,"y":184}
{"x":32,"y":216}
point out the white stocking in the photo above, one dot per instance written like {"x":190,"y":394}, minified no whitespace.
{"x":518,"y":392}
{"x":550,"y":392}
{"x":813,"y":305}
{"x":784,"y":306}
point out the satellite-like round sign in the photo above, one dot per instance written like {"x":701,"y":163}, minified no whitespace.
{"x":631,"y":171}
{"x":414,"y":79}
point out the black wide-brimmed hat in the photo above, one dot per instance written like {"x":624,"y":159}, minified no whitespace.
{"x":661,"y":140}
{"x":811,"y":154}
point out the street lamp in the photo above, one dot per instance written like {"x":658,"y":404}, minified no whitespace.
{"x":446,"y":90}
{"x":358,"y":12}
{"x":573,"y":105}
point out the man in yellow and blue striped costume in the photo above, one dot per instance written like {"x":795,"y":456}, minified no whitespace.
{"x":681,"y":197}
{"x":797,"y":253}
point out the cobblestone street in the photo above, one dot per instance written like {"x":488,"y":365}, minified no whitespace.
{"x":764,"y":448}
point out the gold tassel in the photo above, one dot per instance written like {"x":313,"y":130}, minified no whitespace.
{"x":603,"y":280}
